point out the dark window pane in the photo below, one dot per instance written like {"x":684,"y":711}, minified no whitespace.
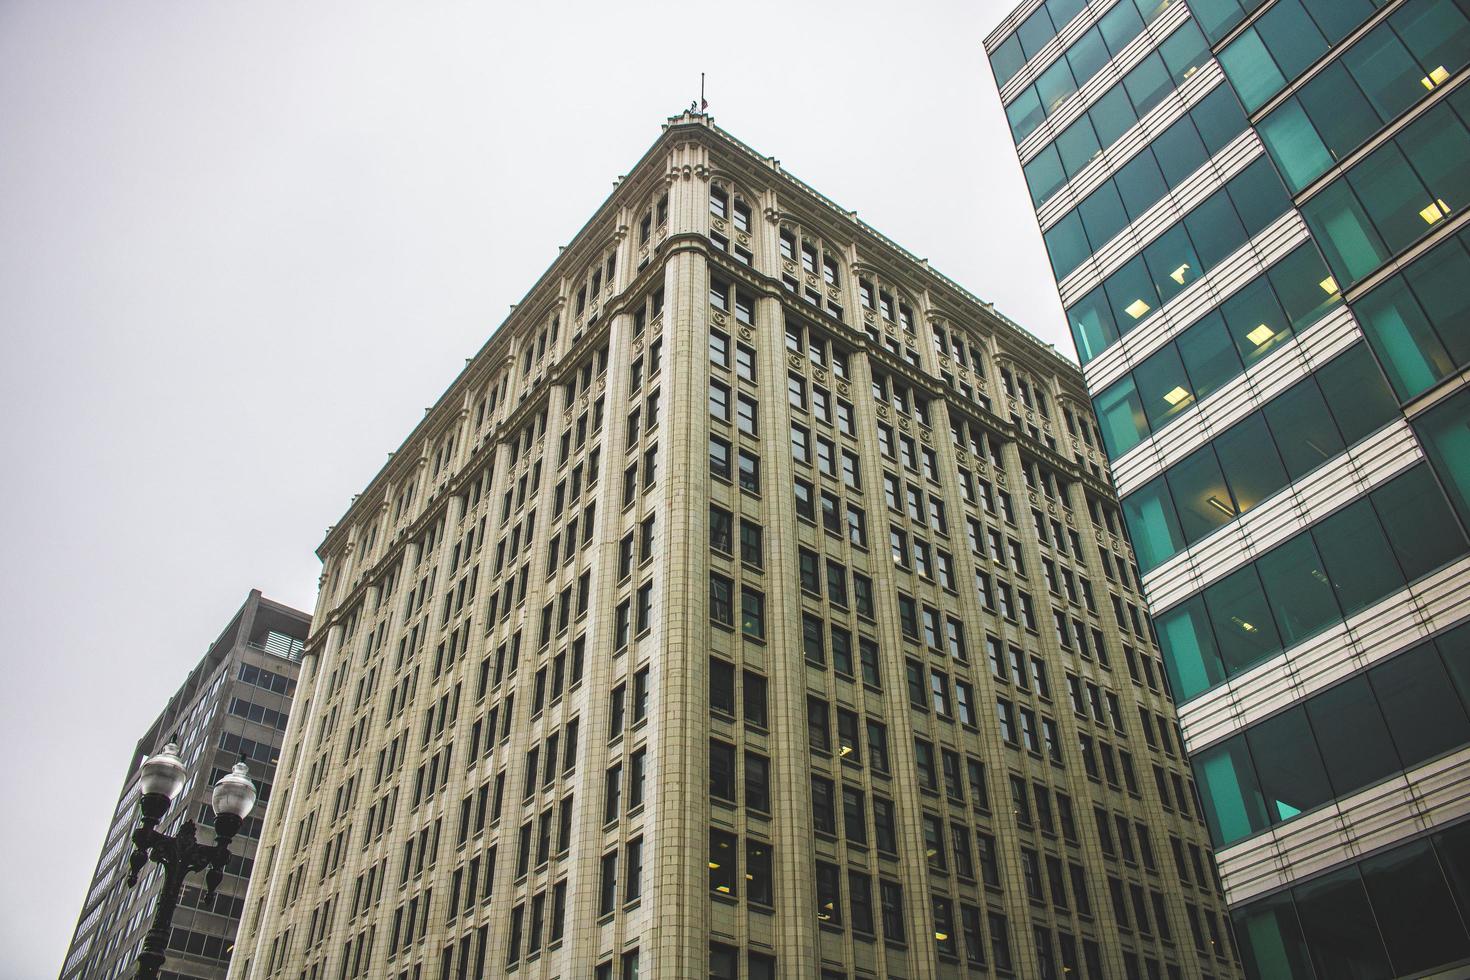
{"x":1356,"y":749}
{"x":1303,"y":427}
{"x":1356,"y":393}
{"x":1271,"y":941}
{"x":1419,"y":523}
{"x":1339,"y":927}
{"x":1424,"y":716}
{"x":1360,"y":564}
{"x":1297,"y":589}
{"x":1423,"y":931}
{"x":1288,"y":765}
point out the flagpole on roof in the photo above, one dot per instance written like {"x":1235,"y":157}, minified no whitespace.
{"x":703,"y":105}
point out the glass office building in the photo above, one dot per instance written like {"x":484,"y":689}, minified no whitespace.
{"x":1257,"y":216}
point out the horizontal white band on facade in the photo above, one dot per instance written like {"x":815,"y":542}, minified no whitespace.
{"x":1074,"y":105}
{"x":1113,"y":158}
{"x":1163,"y":215}
{"x":1237,"y":398}
{"x":1284,"y":514}
{"x":1432,"y":795}
{"x":1066,"y":37}
{"x":1197,"y":299}
{"x":1387,"y":627}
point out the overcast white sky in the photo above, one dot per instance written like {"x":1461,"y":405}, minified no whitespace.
{"x":243,"y":245}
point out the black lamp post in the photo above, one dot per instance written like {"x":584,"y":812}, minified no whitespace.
{"x":161,"y":777}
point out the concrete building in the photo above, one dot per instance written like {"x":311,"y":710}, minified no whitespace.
{"x":235,"y":703}
{"x":752,"y":604}
{"x":1256,"y":213}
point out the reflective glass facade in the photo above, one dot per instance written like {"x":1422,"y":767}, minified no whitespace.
{"x":1256,"y":216}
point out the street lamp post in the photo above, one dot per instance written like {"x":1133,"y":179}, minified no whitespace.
{"x":161,"y":777}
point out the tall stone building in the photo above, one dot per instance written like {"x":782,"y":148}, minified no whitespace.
{"x":752,"y":605}
{"x":1257,"y":217}
{"x":234,"y":703}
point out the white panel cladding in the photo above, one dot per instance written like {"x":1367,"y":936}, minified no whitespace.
{"x":1112,"y":159}
{"x":1432,"y":795}
{"x":1162,"y":216}
{"x":1285,"y":513}
{"x":1053,"y":49}
{"x":1384,"y":629}
{"x":1197,"y":299}
{"x":1109,"y":75}
{"x":1237,"y":398}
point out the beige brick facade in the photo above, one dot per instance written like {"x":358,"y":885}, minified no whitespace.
{"x":498,"y":586}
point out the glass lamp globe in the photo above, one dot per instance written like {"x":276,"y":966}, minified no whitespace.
{"x":234,"y":794}
{"x":163,"y":774}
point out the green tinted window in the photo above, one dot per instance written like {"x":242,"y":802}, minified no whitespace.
{"x":1219,"y":118}
{"x":1255,"y":320}
{"x":1233,"y":804}
{"x":1024,"y":114}
{"x":1209,"y":357}
{"x":1419,"y":522}
{"x":1305,"y":433}
{"x":1172,"y":263}
{"x":1258,"y":195}
{"x":1337,"y":18}
{"x":1248,"y":456}
{"x":1342,"y":115}
{"x":1356,"y":393}
{"x":1270,"y":939}
{"x":1007,"y":60}
{"x":1188,"y":646}
{"x":1304,"y":286}
{"x":1120,"y":418}
{"x":1439,"y":280}
{"x":1392,"y":195}
{"x":1163,"y":387}
{"x":1077,"y":146}
{"x":1179,"y":150}
{"x":1437,"y":32}
{"x":1444,"y":431}
{"x":1044,"y":175}
{"x":1251,"y":70}
{"x":1341,"y":227}
{"x":1245,"y":630}
{"x":1153,"y":525}
{"x":1339,"y":927}
{"x":1140,"y":184}
{"x":1400,"y":334}
{"x":1066,"y":244}
{"x":1215,"y":229}
{"x":1295,"y":145}
{"x":1201,"y":498}
{"x":1092,"y":323}
{"x":1439,"y":146}
{"x":1388,"y":74}
{"x":1103,"y":215}
{"x":1131,"y":294}
{"x":1054,"y":85}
